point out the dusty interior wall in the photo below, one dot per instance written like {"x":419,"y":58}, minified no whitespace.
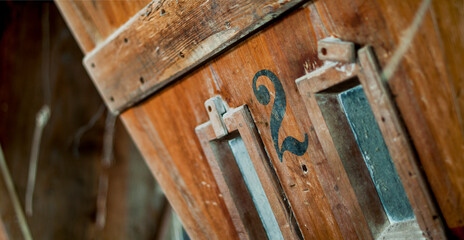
{"x":41,"y":63}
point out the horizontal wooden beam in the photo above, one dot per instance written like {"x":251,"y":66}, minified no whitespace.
{"x":166,"y":39}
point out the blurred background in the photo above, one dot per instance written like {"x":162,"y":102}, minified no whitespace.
{"x":90,"y":179}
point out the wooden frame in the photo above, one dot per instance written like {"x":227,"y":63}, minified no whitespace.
{"x":239,"y":121}
{"x":395,"y":136}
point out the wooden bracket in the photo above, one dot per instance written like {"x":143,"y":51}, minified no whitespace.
{"x":216,"y":108}
{"x":232,"y":181}
{"x":341,"y":70}
{"x":333,"y":49}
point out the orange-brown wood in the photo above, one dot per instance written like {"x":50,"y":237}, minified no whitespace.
{"x":222,"y":163}
{"x":169,"y":38}
{"x":233,"y":190}
{"x":93,"y":21}
{"x":367,"y":71}
{"x":426,"y":88}
{"x":422,"y":87}
{"x":330,"y":171}
{"x":451,"y":44}
{"x":176,"y":159}
{"x":240,"y":120}
{"x":228,"y":76}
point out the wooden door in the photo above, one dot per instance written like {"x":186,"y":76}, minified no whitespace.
{"x":176,"y":63}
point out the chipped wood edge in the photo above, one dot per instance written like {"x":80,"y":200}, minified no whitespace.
{"x":133,"y":95}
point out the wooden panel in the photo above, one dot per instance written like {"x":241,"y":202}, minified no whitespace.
{"x":168,"y":39}
{"x":452,"y":44}
{"x":176,"y":160}
{"x":421,"y":84}
{"x":427,"y":89}
{"x":93,"y":21}
{"x":165,"y":132}
{"x":451,"y":40}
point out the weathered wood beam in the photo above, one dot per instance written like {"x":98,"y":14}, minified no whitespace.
{"x":167,"y":39}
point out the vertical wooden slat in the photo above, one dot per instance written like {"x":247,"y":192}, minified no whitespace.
{"x":399,"y":147}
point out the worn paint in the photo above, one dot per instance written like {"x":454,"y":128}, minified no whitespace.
{"x":376,"y":155}
{"x":255,"y":188}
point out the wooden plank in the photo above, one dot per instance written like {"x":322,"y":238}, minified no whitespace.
{"x":175,"y":157}
{"x":230,"y":182}
{"x":240,"y":120}
{"x":353,"y":162}
{"x":335,"y":74}
{"x":230,"y":179}
{"x":399,"y":147}
{"x":167,"y":39}
{"x":326,"y":77}
{"x":452,"y":47}
{"x":91,"y":22}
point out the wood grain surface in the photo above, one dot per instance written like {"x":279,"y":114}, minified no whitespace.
{"x":233,"y":190}
{"x":93,"y":21}
{"x":421,"y":85}
{"x":427,"y":89}
{"x":166,"y":137}
{"x":332,"y":174}
{"x":230,"y":180}
{"x":399,"y":146}
{"x":168,"y":38}
{"x":230,"y":76}
{"x":334,"y":77}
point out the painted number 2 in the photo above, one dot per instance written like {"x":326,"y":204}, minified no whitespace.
{"x":277,"y":114}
